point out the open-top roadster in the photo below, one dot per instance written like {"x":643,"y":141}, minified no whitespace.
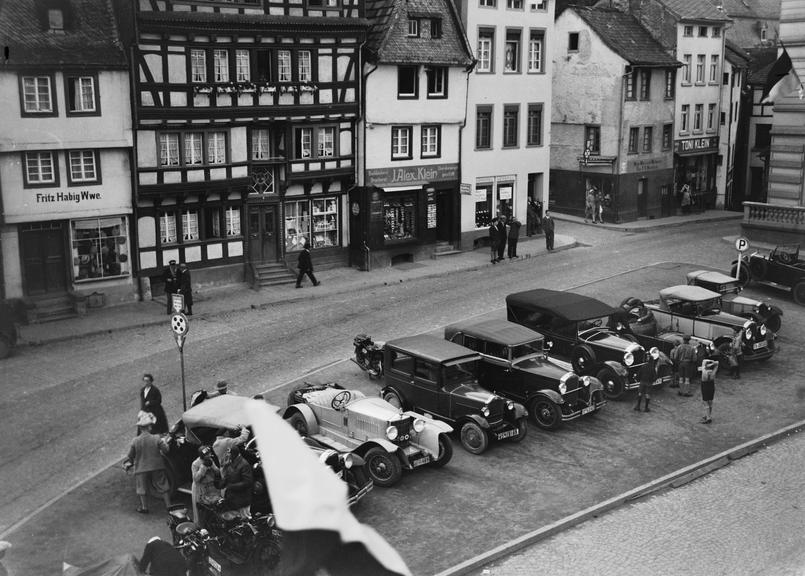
{"x":782,"y":266}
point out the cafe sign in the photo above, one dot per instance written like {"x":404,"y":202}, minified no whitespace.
{"x":411,"y":175}
{"x":695,"y":146}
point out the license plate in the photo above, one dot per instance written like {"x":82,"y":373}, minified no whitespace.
{"x":215,"y":568}
{"x":421,"y":461}
{"x":587,"y":410}
{"x":507,"y":434}
{"x":758,"y":345}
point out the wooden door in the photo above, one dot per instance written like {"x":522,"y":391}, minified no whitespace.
{"x":262,"y":234}
{"x":43,"y":256}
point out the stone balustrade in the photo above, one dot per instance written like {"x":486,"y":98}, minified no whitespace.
{"x":774,"y":217}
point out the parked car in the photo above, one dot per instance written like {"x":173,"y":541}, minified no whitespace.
{"x":8,"y":329}
{"x":732,"y":303}
{"x":199,"y":425}
{"x":515,"y":364}
{"x":385,"y":436}
{"x":580,"y":330}
{"x":697,"y":311}
{"x":439,"y":378}
{"x":781,"y":267}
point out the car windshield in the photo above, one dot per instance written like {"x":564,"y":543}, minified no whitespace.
{"x":459,"y":372}
{"x":525,"y":351}
{"x":596,"y":322}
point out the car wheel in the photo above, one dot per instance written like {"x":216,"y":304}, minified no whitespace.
{"x":474,"y":438}
{"x":612,"y":382}
{"x":745,"y":276}
{"x":798,"y":292}
{"x":384,"y":468}
{"x":393,"y":398}
{"x":546,"y":414}
{"x":5,"y":347}
{"x":298,"y":423}
{"x":582,"y":359}
{"x":758,"y":268}
{"x":774,"y":323}
{"x":445,"y":451}
{"x":522,"y":430}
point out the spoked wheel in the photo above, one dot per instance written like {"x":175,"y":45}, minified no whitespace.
{"x":613,"y":384}
{"x":384,"y":468}
{"x":474,"y":438}
{"x":545,"y":413}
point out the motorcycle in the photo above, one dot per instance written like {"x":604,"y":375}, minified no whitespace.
{"x":368,"y":355}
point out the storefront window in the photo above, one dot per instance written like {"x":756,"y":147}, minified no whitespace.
{"x":483,"y":206}
{"x":315,"y":221}
{"x":399,"y":217}
{"x":100,"y":248}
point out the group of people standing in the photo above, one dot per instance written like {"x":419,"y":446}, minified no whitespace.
{"x":505,"y":232}
{"x":177,"y":281}
{"x":594,"y":203}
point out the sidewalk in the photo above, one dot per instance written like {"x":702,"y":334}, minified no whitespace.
{"x":220,"y":299}
{"x":235,"y":297}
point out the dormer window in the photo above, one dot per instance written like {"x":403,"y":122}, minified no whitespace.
{"x":56,"y":21}
{"x":413,"y":27}
{"x":436,"y":28}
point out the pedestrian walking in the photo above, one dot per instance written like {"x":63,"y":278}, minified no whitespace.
{"x":186,"y":288}
{"x":502,"y":234}
{"x":548,"y":227}
{"x":530,"y":218}
{"x":205,"y":474}
{"x":597,"y":206}
{"x":151,"y":401}
{"x":305,"y":265}
{"x":589,"y":205}
{"x":686,"y":199}
{"x":493,"y":240}
{"x":648,"y":374}
{"x":709,"y":370}
{"x":170,"y":277}
{"x":687,"y":365}
{"x":145,"y":457}
{"x":160,"y":558}
{"x":514,"y":237}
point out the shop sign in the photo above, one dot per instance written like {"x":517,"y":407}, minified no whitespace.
{"x":505,"y":193}
{"x":479,"y":195}
{"x":690,"y":146}
{"x":65,"y":203}
{"x":649,"y":164}
{"x":465,"y":188}
{"x":412,"y":175}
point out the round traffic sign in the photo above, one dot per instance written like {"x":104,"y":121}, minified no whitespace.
{"x":742,"y":244}
{"x":179,"y":324}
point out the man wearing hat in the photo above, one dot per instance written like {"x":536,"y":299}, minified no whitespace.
{"x":160,"y":558}
{"x":205,"y":473}
{"x":145,"y":456}
{"x":170,"y":276}
{"x":686,"y":354}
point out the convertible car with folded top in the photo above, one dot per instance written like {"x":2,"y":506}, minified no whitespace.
{"x":781,"y":266}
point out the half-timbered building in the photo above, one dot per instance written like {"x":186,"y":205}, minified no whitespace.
{"x":244,"y":115}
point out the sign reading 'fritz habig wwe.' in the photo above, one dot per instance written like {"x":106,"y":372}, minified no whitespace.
{"x":412,"y":175}
{"x":82,"y":196}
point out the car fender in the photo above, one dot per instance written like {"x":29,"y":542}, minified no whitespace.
{"x":618,"y":368}
{"x":551,"y":395}
{"x":429,"y":437}
{"x":477,"y":418}
{"x":774,"y":311}
{"x":386,"y":445}
{"x":519,"y":411}
{"x":308,"y":414}
{"x":595,"y":384}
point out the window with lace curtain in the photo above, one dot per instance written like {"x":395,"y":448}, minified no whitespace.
{"x":305,"y":66}
{"x":242,"y":66}
{"x":261,"y":144}
{"x":193,"y":147}
{"x":198,"y":65}
{"x":216,"y":148}
{"x":284,"y":65}
{"x":190,"y":225}
{"x":232,"y":216}
{"x":167,"y":227}
{"x":220,"y":60}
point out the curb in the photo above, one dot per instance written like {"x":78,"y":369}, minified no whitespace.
{"x":639,"y":229}
{"x":263,"y":305}
{"x":673,"y":480}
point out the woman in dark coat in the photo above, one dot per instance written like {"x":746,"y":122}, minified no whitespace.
{"x":151,"y":401}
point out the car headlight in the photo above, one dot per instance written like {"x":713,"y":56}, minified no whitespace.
{"x":562,"y":388}
{"x":585,"y":380}
{"x":485,"y":411}
{"x":763,"y":330}
{"x":349,"y":461}
{"x":419,"y":425}
{"x":549,"y":344}
{"x":510,"y":405}
{"x":748,"y":334}
{"x":628,"y":358}
{"x":392,"y":432}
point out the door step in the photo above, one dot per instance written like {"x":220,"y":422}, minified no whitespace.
{"x":50,"y":307}
{"x":444,"y":249}
{"x":273,"y":274}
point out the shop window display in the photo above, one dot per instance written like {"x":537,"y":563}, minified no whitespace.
{"x":325,"y":223}
{"x":399,"y":216}
{"x":315,"y":221}
{"x":483,"y":207}
{"x":100,"y":248}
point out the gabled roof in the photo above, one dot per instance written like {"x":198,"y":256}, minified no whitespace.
{"x":768,"y":9}
{"x":736,"y":55}
{"x":89,"y":38}
{"x":761,"y":61}
{"x":389,"y":43}
{"x":695,"y":10}
{"x":624,"y":34}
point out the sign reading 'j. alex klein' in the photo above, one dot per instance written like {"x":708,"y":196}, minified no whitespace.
{"x":412,"y":175}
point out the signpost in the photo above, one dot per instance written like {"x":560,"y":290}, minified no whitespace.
{"x":741,"y":245}
{"x":180,"y":327}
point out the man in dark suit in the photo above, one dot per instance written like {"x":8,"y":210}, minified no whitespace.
{"x":151,"y":401}
{"x":305,"y":267}
{"x":548,"y":227}
{"x":162,"y":559}
{"x":170,"y":275}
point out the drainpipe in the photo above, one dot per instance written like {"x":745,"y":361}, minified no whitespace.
{"x":620,"y":141}
{"x":468,"y":70}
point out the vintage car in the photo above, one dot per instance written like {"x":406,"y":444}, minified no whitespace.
{"x":780,"y":267}
{"x":385,"y":436}
{"x":515,"y":364}
{"x":199,"y":425}
{"x":732,"y":303}
{"x":439,"y":378}
{"x":579,"y":329}
{"x":697,"y":311}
